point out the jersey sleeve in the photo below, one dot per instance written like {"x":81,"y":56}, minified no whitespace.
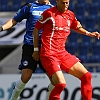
{"x":75,"y":24}
{"x":21,"y":14}
{"x":42,"y":20}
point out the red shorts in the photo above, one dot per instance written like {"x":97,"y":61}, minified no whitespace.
{"x":56,"y":62}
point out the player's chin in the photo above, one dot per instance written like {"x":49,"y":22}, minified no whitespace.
{"x":63,"y":10}
{"x":66,"y":8}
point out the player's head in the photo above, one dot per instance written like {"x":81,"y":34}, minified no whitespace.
{"x":43,"y":1}
{"x":62,"y":5}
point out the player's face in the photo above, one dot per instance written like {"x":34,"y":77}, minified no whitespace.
{"x":62,"y":5}
{"x":43,"y":1}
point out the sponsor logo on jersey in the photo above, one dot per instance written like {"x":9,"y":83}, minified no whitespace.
{"x":62,"y":28}
{"x":38,"y":13}
{"x":35,"y":7}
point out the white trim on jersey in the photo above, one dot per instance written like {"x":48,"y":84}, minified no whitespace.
{"x":52,"y":19}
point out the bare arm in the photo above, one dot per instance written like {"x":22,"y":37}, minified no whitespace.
{"x":35,"y":43}
{"x":85,"y":32}
{"x":81,"y":31}
{"x":35,"y":39}
{"x":10,"y":23}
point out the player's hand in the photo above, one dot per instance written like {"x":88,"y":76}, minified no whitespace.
{"x":95,"y":34}
{"x":35,"y":55}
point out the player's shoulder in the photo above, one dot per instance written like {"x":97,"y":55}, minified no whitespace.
{"x":35,"y":4}
{"x":24,"y":8}
{"x":29,"y":4}
{"x":50,"y":10}
{"x":26,"y":5}
{"x":50,"y":5}
{"x":71,"y":12}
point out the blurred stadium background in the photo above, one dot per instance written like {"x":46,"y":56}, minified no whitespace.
{"x":84,"y":47}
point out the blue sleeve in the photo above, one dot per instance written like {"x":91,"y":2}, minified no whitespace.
{"x":22,"y":14}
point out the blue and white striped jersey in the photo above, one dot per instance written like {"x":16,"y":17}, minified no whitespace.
{"x":31,"y":15}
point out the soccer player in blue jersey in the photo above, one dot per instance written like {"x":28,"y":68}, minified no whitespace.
{"x":30,"y":12}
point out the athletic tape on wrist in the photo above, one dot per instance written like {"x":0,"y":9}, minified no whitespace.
{"x":36,"y":49}
{"x":87,"y":33}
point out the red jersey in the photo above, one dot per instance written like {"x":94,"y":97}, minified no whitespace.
{"x":56,"y":28}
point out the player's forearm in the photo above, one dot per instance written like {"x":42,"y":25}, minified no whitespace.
{"x":85,"y":32}
{"x":35,"y":37}
{"x":82,"y":31}
{"x":10,"y":23}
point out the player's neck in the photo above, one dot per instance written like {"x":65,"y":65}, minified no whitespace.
{"x":44,"y":2}
{"x":61,"y":10}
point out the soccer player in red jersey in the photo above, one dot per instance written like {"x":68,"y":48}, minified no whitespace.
{"x":56,"y":23}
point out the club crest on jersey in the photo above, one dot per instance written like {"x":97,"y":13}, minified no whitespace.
{"x":25,"y":63}
{"x":41,"y":17}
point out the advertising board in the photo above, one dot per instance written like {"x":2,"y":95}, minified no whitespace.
{"x":36,"y":88}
